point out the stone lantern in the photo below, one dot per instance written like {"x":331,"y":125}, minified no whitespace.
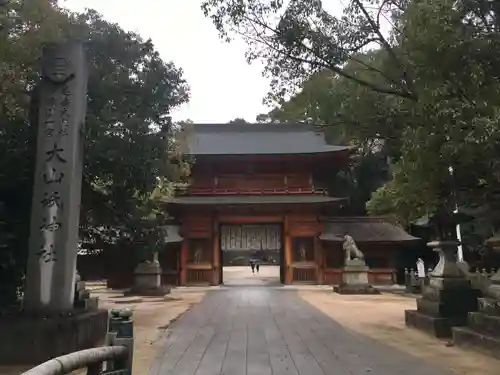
{"x":448,"y":298}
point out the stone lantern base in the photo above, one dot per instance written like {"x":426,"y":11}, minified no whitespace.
{"x":448,"y":298}
{"x":440,"y":309}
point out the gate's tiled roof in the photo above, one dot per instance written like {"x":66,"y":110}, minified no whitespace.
{"x":364,"y":229}
{"x":256,"y":139}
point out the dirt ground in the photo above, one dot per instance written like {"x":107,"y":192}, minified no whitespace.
{"x":381,"y":318}
{"x":152,"y":316}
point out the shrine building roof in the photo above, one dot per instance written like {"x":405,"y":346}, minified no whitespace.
{"x":364,"y":229}
{"x":256,"y":139}
{"x":252,"y":199}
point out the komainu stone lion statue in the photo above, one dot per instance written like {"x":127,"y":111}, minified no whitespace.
{"x":351,"y":250}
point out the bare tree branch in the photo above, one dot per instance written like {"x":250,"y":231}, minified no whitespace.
{"x":326,"y":64}
{"x":388,"y":48}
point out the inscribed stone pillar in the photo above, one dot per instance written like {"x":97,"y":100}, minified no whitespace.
{"x":57,"y":183}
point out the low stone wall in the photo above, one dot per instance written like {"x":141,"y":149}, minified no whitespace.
{"x":376,"y":276}
{"x":31,"y":340}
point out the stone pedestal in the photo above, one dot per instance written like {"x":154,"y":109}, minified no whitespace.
{"x":30,"y":339}
{"x":148,"y":280}
{"x":355,"y":279}
{"x":448,"y":298}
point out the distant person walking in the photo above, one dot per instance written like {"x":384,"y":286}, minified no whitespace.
{"x":252,"y":265}
{"x":257,"y":266}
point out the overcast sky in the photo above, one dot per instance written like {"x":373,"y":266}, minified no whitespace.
{"x":223,"y":86}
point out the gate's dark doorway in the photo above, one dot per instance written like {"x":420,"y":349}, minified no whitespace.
{"x":239,"y":243}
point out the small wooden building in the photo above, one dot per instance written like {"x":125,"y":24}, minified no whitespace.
{"x":377,"y":239}
{"x":257,"y":189}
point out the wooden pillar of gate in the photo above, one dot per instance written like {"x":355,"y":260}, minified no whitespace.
{"x":184,"y":261}
{"x":318,"y":259}
{"x":216,"y":254}
{"x":287,"y":251}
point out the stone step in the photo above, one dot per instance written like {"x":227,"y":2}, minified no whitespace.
{"x":437,"y":326}
{"x":457,"y":309}
{"x":486,"y":324}
{"x":464,"y":336}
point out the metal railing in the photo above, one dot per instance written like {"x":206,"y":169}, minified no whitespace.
{"x":114,"y":359}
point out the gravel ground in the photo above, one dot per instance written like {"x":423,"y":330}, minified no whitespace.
{"x":381,"y":318}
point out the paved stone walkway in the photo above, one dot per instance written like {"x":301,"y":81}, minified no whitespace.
{"x":264,"y":331}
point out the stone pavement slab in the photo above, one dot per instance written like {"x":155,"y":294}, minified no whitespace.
{"x":264,"y":331}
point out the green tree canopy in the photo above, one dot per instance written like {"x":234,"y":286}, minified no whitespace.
{"x":349,"y":114}
{"x":429,"y":86}
{"x":238,"y":120}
